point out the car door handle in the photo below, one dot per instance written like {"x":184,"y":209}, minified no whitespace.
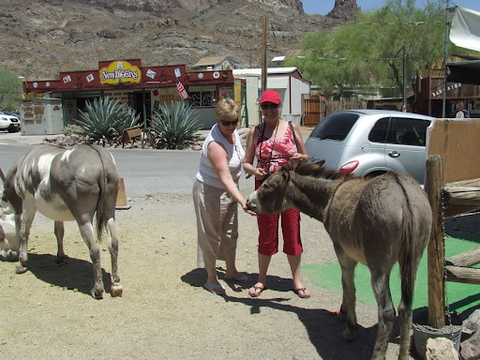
{"x":393,"y":154}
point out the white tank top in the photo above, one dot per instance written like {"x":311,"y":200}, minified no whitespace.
{"x":235,"y":154}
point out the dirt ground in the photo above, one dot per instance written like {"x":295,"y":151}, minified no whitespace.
{"x":165,"y":313}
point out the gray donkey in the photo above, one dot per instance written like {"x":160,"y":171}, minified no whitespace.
{"x":78,"y":184}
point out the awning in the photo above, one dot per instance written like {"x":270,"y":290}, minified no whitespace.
{"x":465,"y":30}
{"x":465,"y":33}
{"x":466,"y":72}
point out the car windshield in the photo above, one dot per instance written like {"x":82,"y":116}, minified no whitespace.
{"x":335,"y":126}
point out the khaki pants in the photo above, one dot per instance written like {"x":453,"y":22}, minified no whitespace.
{"x":217,"y":224}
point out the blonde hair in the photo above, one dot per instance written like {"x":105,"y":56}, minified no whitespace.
{"x":227,"y":109}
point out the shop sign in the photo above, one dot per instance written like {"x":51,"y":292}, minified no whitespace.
{"x":225,"y":92}
{"x":237,"y":87}
{"x":120,"y":72}
{"x":33,"y":95}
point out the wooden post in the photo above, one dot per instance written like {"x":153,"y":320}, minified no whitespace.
{"x":436,"y":256}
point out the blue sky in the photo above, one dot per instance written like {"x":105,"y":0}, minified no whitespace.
{"x":322,"y":7}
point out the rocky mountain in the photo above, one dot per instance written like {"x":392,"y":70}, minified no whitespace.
{"x":41,"y":38}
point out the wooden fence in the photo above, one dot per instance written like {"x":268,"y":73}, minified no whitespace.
{"x":333,"y":106}
{"x":453,"y":159}
{"x":316,"y":107}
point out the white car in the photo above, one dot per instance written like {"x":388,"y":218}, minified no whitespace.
{"x":371,"y":142}
{"x":9,"y":123}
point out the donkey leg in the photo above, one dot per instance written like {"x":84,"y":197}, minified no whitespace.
{"x":86,"y":229}
{"x":348,"y":301}
{"x":26,"y":220}
{"x":59,"y":233}
{"x":116,"y":289}
{"x":386,"y":312}
{"x":405,"y":307}
{"x":405,"y":323}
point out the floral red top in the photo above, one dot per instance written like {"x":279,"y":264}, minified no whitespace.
{"x":283,"y":149}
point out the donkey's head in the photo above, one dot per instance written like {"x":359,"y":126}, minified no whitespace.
{"x":270,"y":197}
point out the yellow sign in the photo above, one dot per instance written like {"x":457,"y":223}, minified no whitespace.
{"x":120,"y":72}
{"x":33,"y":95}
{"x":237,"y":87}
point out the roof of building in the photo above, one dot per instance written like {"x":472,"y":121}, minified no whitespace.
{"x":278,"y":58}
{"x":296,"y":53}
{"x":210,"y":61}
{"x":258,"y":71}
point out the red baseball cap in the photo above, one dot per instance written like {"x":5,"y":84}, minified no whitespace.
{"x":270,"y":96}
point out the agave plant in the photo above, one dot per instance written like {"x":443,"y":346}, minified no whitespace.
{"x":105,"y":120}
{"x":175,"y":126}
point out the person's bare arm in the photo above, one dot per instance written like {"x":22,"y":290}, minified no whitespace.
{"x":301,"y":153}
{"x":219,"y":160}
{"x":248,"y":167}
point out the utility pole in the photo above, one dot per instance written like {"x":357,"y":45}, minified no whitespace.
{"x":264,"y":53}
{"x":447,"y":28}
{"x":404,"y":105}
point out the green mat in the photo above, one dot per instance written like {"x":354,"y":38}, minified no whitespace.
{"x":458,"y":296}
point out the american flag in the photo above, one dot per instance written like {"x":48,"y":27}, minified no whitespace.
{"x":181,"y":90}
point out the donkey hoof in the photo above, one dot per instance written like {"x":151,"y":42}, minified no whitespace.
{"x":20,"y":269}
{"x":97,"y":294}
{"x":10,"y":255}
{"x":61,"y":260}
{"x":349,"y":335}
{"x":116,"y":290}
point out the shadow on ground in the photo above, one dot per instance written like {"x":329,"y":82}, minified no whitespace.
{"x":324,"y":328}
{"x":71,"y":274}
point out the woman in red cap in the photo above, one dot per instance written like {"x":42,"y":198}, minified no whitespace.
{"x":274,"y":143}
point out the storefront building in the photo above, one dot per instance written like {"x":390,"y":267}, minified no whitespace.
{"x":287,"y":81}
{"x":144,"y":88}
{"x":431,"y":100}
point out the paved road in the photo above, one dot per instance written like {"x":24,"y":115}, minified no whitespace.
{"x":145,"y":172}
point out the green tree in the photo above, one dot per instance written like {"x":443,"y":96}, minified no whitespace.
{"x":370,"y":52}
{"x":331,"y":64}
{"x":10,"y":90}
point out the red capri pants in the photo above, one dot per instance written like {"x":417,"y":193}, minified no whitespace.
{"x":268,"y":233}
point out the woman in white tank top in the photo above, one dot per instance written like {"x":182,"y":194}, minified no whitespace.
{"x":216,"y":195}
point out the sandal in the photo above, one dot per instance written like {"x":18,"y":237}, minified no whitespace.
{"x":255,"y":289}
{"x":215,"y":288}
{"x":241,"y":279}
{"x":302,"y":293}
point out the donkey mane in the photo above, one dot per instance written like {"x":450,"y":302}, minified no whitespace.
{"x":317,"y":170}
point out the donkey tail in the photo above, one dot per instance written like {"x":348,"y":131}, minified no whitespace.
{"x":408,"y":270}
{"x":416,"y":227}
{"x":103,"y":209}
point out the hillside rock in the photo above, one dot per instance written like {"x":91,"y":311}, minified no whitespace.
{"x":344,"y":10}
{"x":41,"y":38}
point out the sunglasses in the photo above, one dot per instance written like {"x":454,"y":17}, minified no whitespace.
{"x":269,"y":106}
{"x":228,"y":123}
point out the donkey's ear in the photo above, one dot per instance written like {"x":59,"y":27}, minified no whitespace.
{"x":2,"y":176}
{"x":285,"y":174}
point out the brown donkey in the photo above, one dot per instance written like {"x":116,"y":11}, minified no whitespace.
{"x":376,"y":221}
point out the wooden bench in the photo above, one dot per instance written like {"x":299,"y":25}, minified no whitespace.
{"x":131,"y":134}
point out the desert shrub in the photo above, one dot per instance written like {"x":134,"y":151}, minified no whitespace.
{"x":174,"y":126}
{"x":105,"y":120}
{"x":71,"y":129}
